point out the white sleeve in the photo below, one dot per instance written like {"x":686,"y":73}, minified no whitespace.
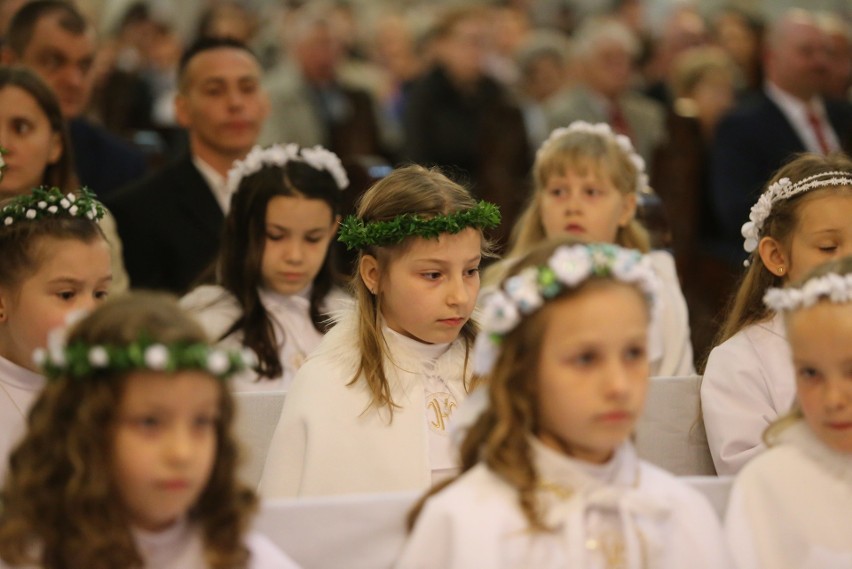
{"x":677,"y":357}
{"x":739,"y":531}
{"x":736,"y":405}
{"x":266,"y":555}
{"x":285,"y":460}
{"x":430,"y":544}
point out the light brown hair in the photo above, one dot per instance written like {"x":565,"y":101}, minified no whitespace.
{"x":59,"y":500}
{"x":413,"y":190}
{"x":746,"y":305}
{"x":577,"y":151}
{"x":500,"y":436}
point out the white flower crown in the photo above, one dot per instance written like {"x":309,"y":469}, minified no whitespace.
{"x":833,"y":287}
{"x":317,"y":157}
{"x":602,"y":130}
{"x":568,"y":267}
{"x":785,"y":189}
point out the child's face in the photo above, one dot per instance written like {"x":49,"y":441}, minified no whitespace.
{"x":298,"y":232}
{"x":823,"y":232}
{"x":821,"y":341}
{"x":429,"y":291}
{"x":584,"y":204}
{"x":164,"y":444}
{"x":72,"y":275}
{"x":593,"y":371}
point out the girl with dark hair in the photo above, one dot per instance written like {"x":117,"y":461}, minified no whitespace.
{"x":274,"y":282}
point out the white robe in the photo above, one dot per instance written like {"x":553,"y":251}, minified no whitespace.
{"x":19,"y":388}
{"x":180,"y":547}
{"x":791,"y":507}
{"x":217,"y":309}
{"x":627,"y":505}
{"x":748,"y":383}
{"x":670,"y":349}
{"x":330,"y":440}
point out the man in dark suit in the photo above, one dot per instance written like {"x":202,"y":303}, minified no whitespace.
{"x":53,"y":38}
{"x":171,"y":222}
{"x":764,"y":132}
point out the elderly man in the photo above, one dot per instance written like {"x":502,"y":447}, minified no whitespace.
{"x":603,"y":56}
{"x":170,"y":223}
{"x":764,"y":132}
{"x":54,"y":39}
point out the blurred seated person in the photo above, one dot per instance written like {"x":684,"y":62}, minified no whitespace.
{"x":37,"y":150}
{"x":838,"y":38}
{"x":54,"y":39}
{"x":603,"y":53}
{"x":740,"y":34}
{"x":464,"y":121}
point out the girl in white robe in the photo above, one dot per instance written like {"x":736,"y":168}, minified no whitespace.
{"x":550,"y":478}
{"x":587,"y":183}
{"x":371,"y":409}
{"x":799,"y":222}
{"x":128,"y":459}
{"x":51,"y":264}
{"x":274,"y":276}
{"x":791,"y":507}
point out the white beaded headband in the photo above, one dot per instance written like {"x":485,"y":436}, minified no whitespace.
{"x":317,"y":157}
{"x":568,"y":267}
{"x":785,"y":189}
{"x":602,"y":130}
{"x":832,"y":287}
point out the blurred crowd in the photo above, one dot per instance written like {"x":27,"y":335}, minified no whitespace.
{"x":476,"y":89}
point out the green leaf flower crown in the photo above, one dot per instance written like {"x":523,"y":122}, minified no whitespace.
{"x":357,"y":234}
{"x":82,"y":360}
{"x":51,"y":202}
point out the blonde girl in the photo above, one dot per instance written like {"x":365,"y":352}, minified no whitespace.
{"x":802,"y":219}
{"x":274,"y":277}
{"x":129,"y":460}
{"x":550,"y":478}
{"x":54,"y":260}
{"x":587,"y":180}
{"x":791,"y":507}
{"x":370,"y":411}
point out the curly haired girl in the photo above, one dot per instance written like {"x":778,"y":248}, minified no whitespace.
{"x":129,"y":460}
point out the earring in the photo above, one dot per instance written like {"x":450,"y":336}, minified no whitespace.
{"x":780,"y":270}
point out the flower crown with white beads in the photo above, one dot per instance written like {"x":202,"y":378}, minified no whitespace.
{"x":568,"y":267}
{"x":318,"y":158}
{"x":52,"y":202}
{"x":785,"y":189}
{"x":602,"y":130}
{"x":82,"y":360}
{"x":832,"y":287}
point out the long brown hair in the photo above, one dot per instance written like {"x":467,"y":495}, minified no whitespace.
{"x":59,"y":500}
{"x":61,"y":173}
{"x":238,"y":265}
{"x":746,"y":305}
{"x":414,"y":190}
{"x":500,"y":436}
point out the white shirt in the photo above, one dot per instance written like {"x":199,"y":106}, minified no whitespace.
{"x":217,"y":309}
{"x":796,"y":112}
{"x":791,"y":507}
{"x":217,"y":183}
{"x":748,"y":383}
{"x":626,"y":508}
{"x":331,"y":439}
{"x":19,"y":388}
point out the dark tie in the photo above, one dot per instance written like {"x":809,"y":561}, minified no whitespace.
{"x":819,"y":131}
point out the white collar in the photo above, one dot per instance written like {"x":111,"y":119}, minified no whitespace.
{"x":20,"y":377}
{"x":217,"y":182}
{"x":150,"y":542}
{"x":270,"y":297}
{"x":799,"y":435}
{"x":425,"y":351}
